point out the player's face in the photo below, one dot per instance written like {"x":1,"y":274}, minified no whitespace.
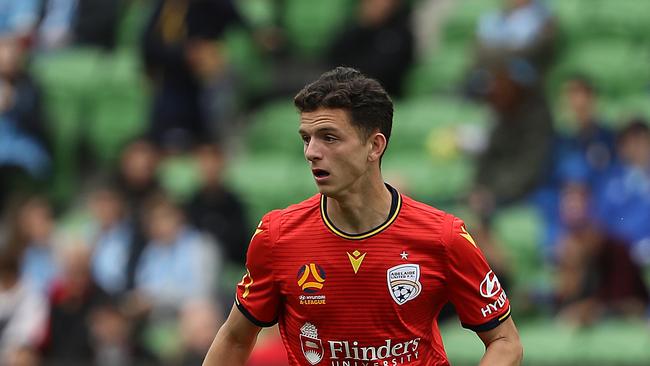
{"x":336,"y":151}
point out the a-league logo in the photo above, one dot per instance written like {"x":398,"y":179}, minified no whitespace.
{"x":313,"y":284}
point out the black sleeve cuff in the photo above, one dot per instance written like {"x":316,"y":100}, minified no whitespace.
{"x":489,"y":325}
{"x":252,"y":319}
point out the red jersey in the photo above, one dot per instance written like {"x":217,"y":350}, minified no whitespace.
{"x":367,"y":299}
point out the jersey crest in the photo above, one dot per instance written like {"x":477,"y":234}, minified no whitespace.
{"x":404,"y":282}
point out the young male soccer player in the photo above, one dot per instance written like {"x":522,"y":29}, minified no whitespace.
{"x":357,"y":274}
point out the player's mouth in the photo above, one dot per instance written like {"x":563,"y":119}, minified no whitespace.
{"x":320,"y":175}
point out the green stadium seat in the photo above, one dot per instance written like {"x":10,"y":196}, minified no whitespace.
{"x":257,"y":13}
{"x":618,"y":110}
{"x":119,"y":108}
{"x":419,"y":121}
{"x":571,"y":18}
{"x":617,"y":66}
{"x":520,"y":229}
{"x":611,"y":342}
{"x":274,"y":130}
{"x":91,"y":97}
{"x":312,"y":24}
{"x":441,"y":71}
{"x":426,"y":179}
{"x":68,"y":79}
{"x":460,"y":27}
{"x":179,"y":176}
{"x":162,"y":338}
{"x":629,"y":19}
{"x":592,"y":20}
{"x":132,"y":22}
{"x":251,"y":68}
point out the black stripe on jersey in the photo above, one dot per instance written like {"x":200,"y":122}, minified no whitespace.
{"x":489,"y":325}
{"x":254,"y":320}
{"x":395,"y":206}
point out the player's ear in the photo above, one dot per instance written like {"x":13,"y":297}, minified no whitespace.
{"x":377,"y":145}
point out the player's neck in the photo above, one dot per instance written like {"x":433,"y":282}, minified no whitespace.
{"x":361,"y":210}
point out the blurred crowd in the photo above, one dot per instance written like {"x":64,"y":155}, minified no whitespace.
{"x":127,"y":267}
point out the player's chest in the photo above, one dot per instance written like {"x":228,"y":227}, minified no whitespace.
{"x":349,"y":274}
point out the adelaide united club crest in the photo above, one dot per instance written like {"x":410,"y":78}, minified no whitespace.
{"x":404,"y":282}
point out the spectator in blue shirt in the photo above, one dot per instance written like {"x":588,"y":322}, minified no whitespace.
{"x":18,"y":18}
{"x":623,"y":198}
{"x":522,"y":28}
{"x":31,"y":231}
{"x":179,"y":263}
{"x":581,"y":155}
{"x":112,"y":241}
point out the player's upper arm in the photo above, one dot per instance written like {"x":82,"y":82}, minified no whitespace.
{"x":504,"y":331}
{"x":258,"y":296}
{"x":239,"y":329}
{"x":473,"y":287}
{"x":502,"y":344}
{"x":234,"y":341}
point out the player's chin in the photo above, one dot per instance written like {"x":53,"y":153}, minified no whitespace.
{"x":325,"y":189}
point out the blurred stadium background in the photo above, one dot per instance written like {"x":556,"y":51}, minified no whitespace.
{"x":129,"y":123}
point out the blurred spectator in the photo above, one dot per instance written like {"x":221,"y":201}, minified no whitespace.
{"x":112,"y":341}
{"x":136,"y":179}
{"x":136,"y":175}
{"x":199,"y":321}
{"x":380,"y":43}
{"x":31,"y":230}
{"x":522,"y":29}
{"x":429,"y":17}
{"x":75,"y":302}
{"x":186,"y":61}
{"x":112,"y":240}
{"x":589,"y":149}
{"x":583,"y":155}
{"x":18,"y":18}
{"x":217,"y":210}
{"x":23,"y":311}
{"x":519,"y":146}
{"x":55,"y":28}
{"x":179,"y":263}
{"x":24,"y":150}
{"x":596,"y":276}
{"x":624,"y":196}
{"x":86,"y":23}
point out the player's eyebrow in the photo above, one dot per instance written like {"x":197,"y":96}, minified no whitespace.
{"x":302,"y":131}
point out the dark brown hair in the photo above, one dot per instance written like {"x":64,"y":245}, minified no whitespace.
{"x":367,"y":103}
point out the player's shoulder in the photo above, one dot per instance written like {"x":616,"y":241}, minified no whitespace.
{"x":431,"y":217}
{"x":300,"y":209}
{"x":414,"y":207}
{"x":281,"y":219}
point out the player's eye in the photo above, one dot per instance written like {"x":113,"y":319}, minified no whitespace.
{"x":329,"y":138}
{"x":305,"y":139}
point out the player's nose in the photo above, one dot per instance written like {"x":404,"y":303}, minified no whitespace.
{"x":312,"y":151}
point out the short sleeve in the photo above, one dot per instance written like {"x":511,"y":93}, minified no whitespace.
{"x":258,"y":296}
{"x":475,"y":291}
